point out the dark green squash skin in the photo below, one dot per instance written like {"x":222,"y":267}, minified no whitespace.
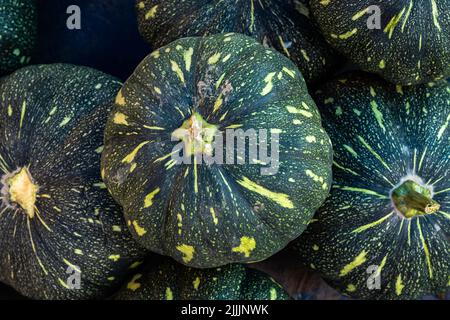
{"x":155,"y":96}
{"x":167,"y":280}
{"x":407,"y":127}
{"x":18,"y":23}
{"x":414,"y":50}
{"x":268,"y":21}
{"x":62,"y":130}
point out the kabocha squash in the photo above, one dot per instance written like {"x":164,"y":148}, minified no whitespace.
{"x":18,"y":22}
{"x":168,"y":280}
{"x":387,"y":217}
{"x":408,"y":42}
{"x":274,"y":23}
{"x":59,"y":228}
{"x":207,"y":214}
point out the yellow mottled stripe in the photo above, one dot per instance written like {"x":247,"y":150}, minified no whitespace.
{"x":280,"y":198}
{"x":425,"y":249}
{"x":130,"y":157}
{"x":359,"y":260}
{"x":373,"y":224}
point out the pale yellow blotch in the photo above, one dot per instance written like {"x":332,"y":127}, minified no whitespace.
{"x":169,"y":294}
{"x":246,"y":246}
{"x":65,"y":121}
{"x":196,"y":283}
{"x":214,"y":58}
{"x":359,"y":260}
{"x":273,"y":294}
{"x":114,"y":257}
{"x":187,"y":251}
{"x":187,"y":57}
{"x":269,"y":83}
{"x":302,"y":112}
{"x":213,"y":213}
{"x":351,"y":288}
{"x":130,"y":157}
{"x":151,"y":13}
{"x":399,"y":285}
{"x":121,"y":119}
{"x":139,"y":230}
{"x":279,"y":198}
{"x":120,"y":99}
{"x":176,"y":68}
{"x":148,"y":201}
{"x":133,"y":285}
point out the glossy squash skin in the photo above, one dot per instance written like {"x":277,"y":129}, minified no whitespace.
{"x":56,"y":217}
{"x":211,"y":215}
{"x":275,"y":23}
{"x":383,"y":136}
{"x":18,"y":23}
{"x":167,"y":280}
{"x":411,"y":46}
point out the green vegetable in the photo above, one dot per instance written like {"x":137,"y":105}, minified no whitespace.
{"x":275,"y":23}
{"x":408,"y":41}
{"x":388,"y":215}
{"x":56,"y":217}
{"x":210,"y":215}
{"x":166,"y":280}
{"x":18,"y":23}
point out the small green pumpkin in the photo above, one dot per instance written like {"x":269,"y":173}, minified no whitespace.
{"x":58,"y":224}
{"x":18,"y":23}
{"x":167,"y":280}
{"x":411,"y":46}
{"x":274,"y":23}
{"x":388,"y":215}
{"x":207,"y":215}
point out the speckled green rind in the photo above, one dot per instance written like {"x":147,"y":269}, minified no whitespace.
{"x":381,"y":135}
{"x":258,"y":286}
{"x":167,"y":280}
{"x":412,"y":46}
{"x":274,"y":23}
{"x":52,"y":119}
{"x":218,"y":214}
{"x":18,"y":23}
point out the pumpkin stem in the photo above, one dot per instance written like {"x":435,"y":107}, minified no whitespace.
{"x":22,"y":190}
{"x":412,"y":199}
{"x":197,"y":135}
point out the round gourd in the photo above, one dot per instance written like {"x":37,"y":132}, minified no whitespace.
{"x":57,"y":221}
{"x":387,"y":217}
{"x":274,"y":23}
{"x":206,"y":215}
{"x":407,"y":43}
{"x":167,"y":280}
{"x":18,"y":23}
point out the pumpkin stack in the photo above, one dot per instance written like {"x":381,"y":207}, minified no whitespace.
{"x":149,"y":190}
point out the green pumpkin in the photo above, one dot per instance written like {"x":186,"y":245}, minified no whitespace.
{"x":167,"y":280}
{"x":410,"y":45}
{"x":388,"y":215}
{"x":275,"y":23}
{"x":56,"y":217}
{"x":18,"y":23}
{"x":207,"y":215}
